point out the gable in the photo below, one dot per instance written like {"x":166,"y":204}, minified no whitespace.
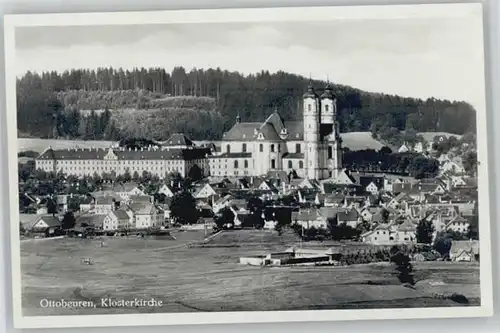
{"x":40,"y":224}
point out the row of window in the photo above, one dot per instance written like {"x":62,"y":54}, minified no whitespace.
{"x":298,"y":149}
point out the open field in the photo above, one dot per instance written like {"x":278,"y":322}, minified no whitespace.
{"x":210,"y":278}
{"x":40,"y":145}
{"x":429,"y":136}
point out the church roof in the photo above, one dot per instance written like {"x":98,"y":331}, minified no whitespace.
{"x":270,"y":129}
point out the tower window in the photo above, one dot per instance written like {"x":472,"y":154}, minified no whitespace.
{"x":290,"y":165}
{"x":330,"y":152}
{"x":309,"y":107}
{"x":244,"y":147}
{"x":261,"y":147}
{"x":228,"y":149}
{"x":297,"y":148}
{"x":327,"y":107}
{"x":273,"y":164}
{"x":272,"y":148}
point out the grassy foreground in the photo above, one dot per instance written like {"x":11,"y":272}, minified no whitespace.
{"x":210,"y":279}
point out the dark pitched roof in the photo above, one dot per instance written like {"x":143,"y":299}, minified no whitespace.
{"x":122,"y":154}
{"x":293,"y":155}
{"x":121,"y":214}
{"x":364,"y":181}
{"x":178,"y":139}
{"x":350,"y":215}
{"x":233,"y":155}
{"x":50,"y":220}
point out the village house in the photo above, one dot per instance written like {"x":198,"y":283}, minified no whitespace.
{"x":371,"y":185}
{"x":205,"y":192}
{"x":166,"y":191}
{"x":367,"y":213}
{"x":316,"y":217}
{"x":89,"y":221}
{"x":118,"y":219}
{"x":221,"y":203}
{"x":146,"y":215}
{"x":349,"y":217}
{"x":391,"y":234}
{"x":125,"y":190}
{"x":464,"y":251}
{"x":104,"y":205}
{"x":458,"y":224}
{"x":334,"y":200}
{"x":46,"y":225}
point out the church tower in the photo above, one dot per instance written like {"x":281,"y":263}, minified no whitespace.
{"x":311,"y":133}
{"x":330,"y":146}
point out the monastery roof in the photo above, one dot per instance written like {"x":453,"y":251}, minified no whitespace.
{"x":178,"y":139}
{"x":293,"y":155}
{"x":233,"y":155}
{"x":122,"y":154}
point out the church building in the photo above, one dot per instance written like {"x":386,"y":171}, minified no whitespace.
{"x":311,"y":148}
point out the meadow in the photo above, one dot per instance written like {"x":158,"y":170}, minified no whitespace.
{"x":196,"y":278}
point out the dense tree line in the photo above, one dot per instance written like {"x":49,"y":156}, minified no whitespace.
{"x":384,"y":160}
{"x":43,"y":98}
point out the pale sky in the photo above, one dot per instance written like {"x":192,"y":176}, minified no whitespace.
{"x":439,"y":57}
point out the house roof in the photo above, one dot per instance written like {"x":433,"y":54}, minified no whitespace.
{"x":471,"y":246}
{"x":364,"y":181}
{"x":106,"y":200}
{"x":50,"y":220}
{"x":142,"y":208}
{"x":305,"y":215}
{"x":121,"y":214}
{"x":90,"y":219}
{"x":124,"y":187}
{"x":350,"y":215}
{"x":407,"y":225}
{"x":178,"y":139}
{"x":329,"y":212}
{"x":140,"y":198}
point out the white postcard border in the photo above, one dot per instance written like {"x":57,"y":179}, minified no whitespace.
{"x":239,"y":15}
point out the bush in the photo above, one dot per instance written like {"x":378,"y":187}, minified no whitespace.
{"x":459,"y":298}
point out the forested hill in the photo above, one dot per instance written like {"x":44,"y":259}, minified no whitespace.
{"x":50,"y":104}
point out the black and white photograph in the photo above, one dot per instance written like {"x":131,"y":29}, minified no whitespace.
{"x":248,"y":165}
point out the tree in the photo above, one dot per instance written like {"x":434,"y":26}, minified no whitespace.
{"x":425,"y":231}
{"x":126,"y":176}
{"x":470,"y":163}
{"x":224,"y":219}
{"x":183,"y":208}
{"x":423,"y":167}
{"x":51,"y":206}
{"x":404,"y":269}
{"x":68,"y":221}
{"x":195,"y":173}
{"x":442,"y":245}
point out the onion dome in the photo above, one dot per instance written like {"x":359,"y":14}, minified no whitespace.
{"x":310,"y":92}
{"x":328,"y":92}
